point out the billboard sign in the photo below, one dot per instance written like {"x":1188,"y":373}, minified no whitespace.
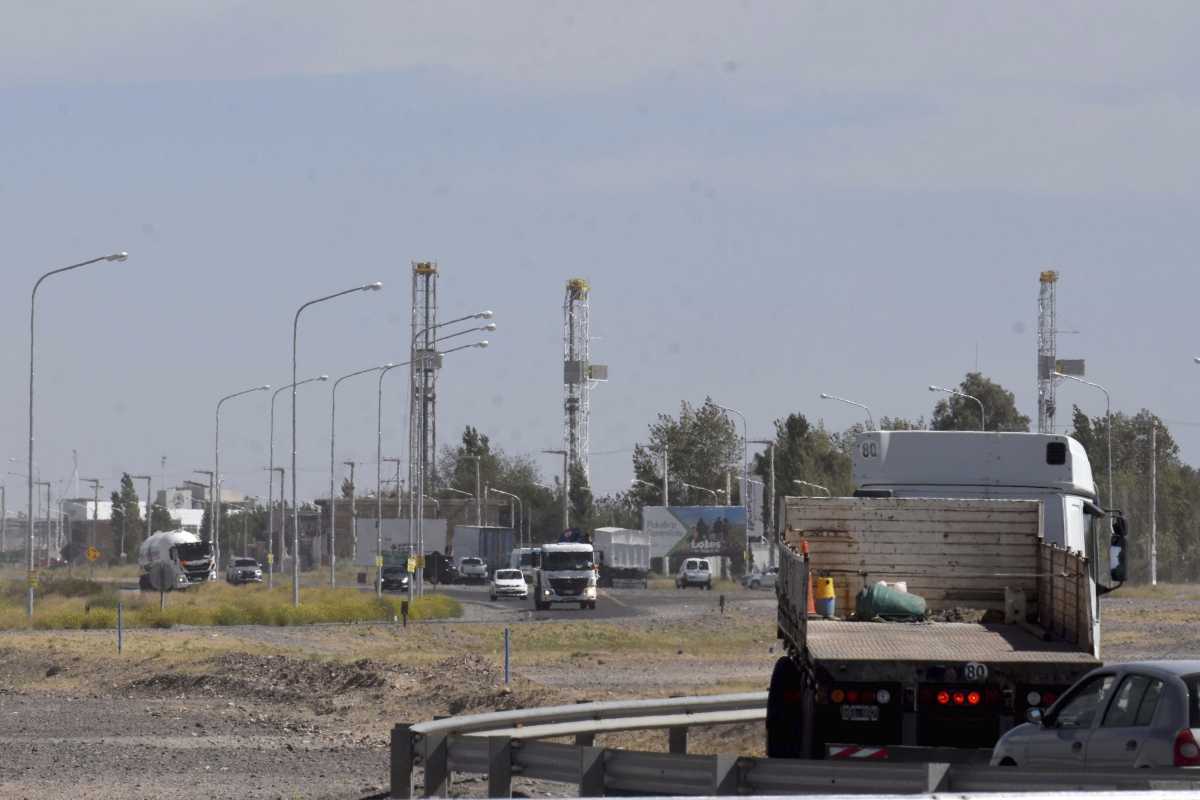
{"x":695,"y":530}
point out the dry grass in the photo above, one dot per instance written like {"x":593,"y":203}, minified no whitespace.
{"x":65,"y":604}
{"x":1163,"y":591}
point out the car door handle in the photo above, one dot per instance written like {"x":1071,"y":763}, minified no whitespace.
{"x":1131,"y":745}
{"x":1076,"y":746}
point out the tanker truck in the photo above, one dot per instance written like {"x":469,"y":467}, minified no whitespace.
{"x":191,"y":558}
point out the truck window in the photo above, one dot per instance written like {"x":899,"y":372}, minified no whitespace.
{"x":1056,"y":453}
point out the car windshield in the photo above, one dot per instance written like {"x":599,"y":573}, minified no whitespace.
{"x":245,"y":562}
{"x":191,"y":550}
{"x":566,"y":561}
{"x":393,"y":571}
{"x":509,"y":575}
{"x":474,"y":562}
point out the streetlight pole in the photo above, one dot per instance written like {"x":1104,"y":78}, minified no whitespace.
{"x":520,"y":507}
{"x":666,"y":484}
{"x":870,"y":419}
{"x":713,"y":492}
{"x":1154,"y":503}
{"x":566,"y":487}
{"x":745,"y":455}
{"x":771,"y":504}
{"x":217,"y":469}
{"x":149,"y":509}
{"x":1107,"y":427}
{"x":271,"y":469}
{"x":370,"y":287}
{"x":212,"y":510}
{"x":420,"y":487}
{"x":47,"y":534}
{"x":29,"y":472}
{"x":956,"y":393}
{"x":383,"y":371}
{"x":332,"y":493}
{"x":814,"y":486}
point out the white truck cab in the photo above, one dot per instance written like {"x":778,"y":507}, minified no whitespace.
{"x":981,"y":465}
{"x":566,"y":574}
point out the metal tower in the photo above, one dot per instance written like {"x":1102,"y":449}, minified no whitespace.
{"x":579,"y":373}
{"x":1047,"y":343}
{"x":422,"y":417}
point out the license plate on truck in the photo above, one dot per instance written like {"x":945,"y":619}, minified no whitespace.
{"x":860,"y":713}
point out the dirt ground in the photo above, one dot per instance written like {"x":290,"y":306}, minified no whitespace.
{"x":262,"y":712}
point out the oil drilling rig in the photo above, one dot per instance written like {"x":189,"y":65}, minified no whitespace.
{"x":579,"y":375}
{"x":1047,"y":344}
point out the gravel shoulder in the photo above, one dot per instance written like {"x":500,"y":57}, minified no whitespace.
{"x":262,"y":712}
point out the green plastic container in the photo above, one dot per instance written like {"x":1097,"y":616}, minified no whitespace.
{"x":885,"y":602}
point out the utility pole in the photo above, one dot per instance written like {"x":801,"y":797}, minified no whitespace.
{"x":1154,"y":503}
{"x":353,"y":516}
{"x":666,"y":469}
{"x":770,"y":503}
{"x":95,"y":513}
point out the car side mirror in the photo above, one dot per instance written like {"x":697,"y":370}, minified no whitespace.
{"x":1034,"y":716}
{"x":1116,"y":549}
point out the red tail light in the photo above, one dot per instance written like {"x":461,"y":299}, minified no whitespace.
{"x":959,"y":698}
{"x":973,"y":698}
{"x":1187,"y":751}
{"x":943,"y":698}
{"x":852,"y":696}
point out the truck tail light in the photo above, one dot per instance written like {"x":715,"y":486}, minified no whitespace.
{"x":1187,"y":751}
{"x":973,"y":698}
{"x":943,"y":698}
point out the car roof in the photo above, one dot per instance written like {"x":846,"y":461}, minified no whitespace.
{"x":1165,"y":667}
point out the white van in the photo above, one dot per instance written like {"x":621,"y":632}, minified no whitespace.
{"x":694,"y":572}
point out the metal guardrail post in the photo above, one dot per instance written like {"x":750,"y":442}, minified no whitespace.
{"x":591,"y":772}
{"x":677,"y":740}
{"x":937,"y":777}
{"x":726,"y":775}
{"x":401,"y":762}
{"x":500,"y":766}
{"x":436,"y":757}
{"x":585,"y":739}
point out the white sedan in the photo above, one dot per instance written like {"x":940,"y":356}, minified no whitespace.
{"x":509,"y":583}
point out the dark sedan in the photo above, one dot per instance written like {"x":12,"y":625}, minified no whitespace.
{"x":394,"y":579}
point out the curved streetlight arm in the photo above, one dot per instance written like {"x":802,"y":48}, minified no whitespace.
{"x":217,"y":465}
{"x":457,"y":491}
{"x":1107,"y":424}
{"x":32,"y":317}
{"x":745,"y":452}
{"x":813,"y":486}
{"x":702,"y":489}
{"x":870,"y":419}
{"x":956,"y":393}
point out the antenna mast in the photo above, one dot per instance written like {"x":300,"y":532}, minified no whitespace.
{"x":1047,"y":350}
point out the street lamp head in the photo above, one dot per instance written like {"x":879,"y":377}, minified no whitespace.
{"x":264,"y":387}
{"x":484,"y":315}
{"x":933,"y":388}
{"x":482,"y":343}
{"x":322,"y":378}
{"x":491,"y":326}
{"x":389,"y":365}
{"x":121,"y":256}
{"x":373,"y":287}
{"x":825,"y":396}
{"x":1196,"y":359}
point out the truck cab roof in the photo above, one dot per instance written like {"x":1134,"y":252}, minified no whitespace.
{"x":567,"y":547}
{"x":911,"y":462}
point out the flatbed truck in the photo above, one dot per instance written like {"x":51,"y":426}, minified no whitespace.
{"x":1000,"y":534}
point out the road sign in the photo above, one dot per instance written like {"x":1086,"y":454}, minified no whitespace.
{"x":33,"y":579}
{"x":412,"y":565}
{"x":379,"y":561}
{"x":270,"y":558}
{"x":93,"y":554}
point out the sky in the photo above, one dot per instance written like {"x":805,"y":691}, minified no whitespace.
{"x":770,"y":200}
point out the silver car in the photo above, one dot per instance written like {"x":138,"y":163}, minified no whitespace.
{"x":1141,"y":714}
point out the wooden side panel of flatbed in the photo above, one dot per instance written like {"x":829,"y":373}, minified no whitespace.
{"x":951,"y":552}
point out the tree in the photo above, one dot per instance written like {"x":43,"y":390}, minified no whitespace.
{"x":702,"y":445}
{"x":807,"y":453}
{"x":126,"y":519}
{"x":617,"y":510}
{"x":954,"y":413}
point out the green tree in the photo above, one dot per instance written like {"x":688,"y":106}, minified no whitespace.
{"x":954,"y":413}
{"x":616,"y":511}
{"x":807,"y":453}
{"x":517,"y":474}
{"x":702,"y":445}
{"x":126,"y":519}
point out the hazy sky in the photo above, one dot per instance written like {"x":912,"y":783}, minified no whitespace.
{"x":770,"y":200}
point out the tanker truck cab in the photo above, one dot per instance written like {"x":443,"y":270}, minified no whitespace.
{"x":566,"y":574}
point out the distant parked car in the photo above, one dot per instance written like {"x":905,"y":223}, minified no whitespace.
{"x":244,"y":570}
{"x":509,"y":583}
{"x":761,"y":579}
{"x":473,"y":570}
{"x":694,"y":572}
{"x":1140,"y":714}
{"x":394,"y":579}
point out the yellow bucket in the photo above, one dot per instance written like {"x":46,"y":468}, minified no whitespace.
{"x":825,"y":605}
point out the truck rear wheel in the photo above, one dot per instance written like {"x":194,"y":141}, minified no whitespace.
{"x":789,"y":703}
